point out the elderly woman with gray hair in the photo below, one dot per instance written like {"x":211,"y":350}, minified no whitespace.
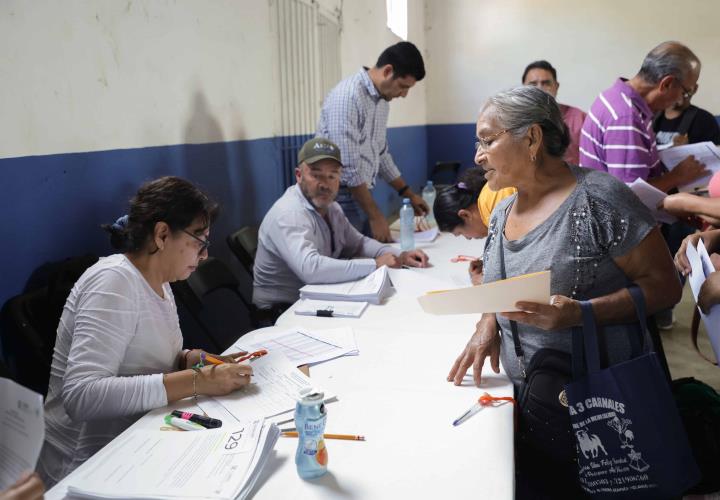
{"x":585,"y":226}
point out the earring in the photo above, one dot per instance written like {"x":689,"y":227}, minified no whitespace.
{"x":532,"y":158}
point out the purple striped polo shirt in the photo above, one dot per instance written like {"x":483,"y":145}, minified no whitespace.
{"x":617,"y":136}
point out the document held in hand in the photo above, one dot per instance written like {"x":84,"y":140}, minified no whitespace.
{"x":704,"y":152}
{"x":702,"y":267}
{"x":498,"y":296}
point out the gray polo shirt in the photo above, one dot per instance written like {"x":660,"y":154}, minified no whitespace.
{"x":297,"y":246}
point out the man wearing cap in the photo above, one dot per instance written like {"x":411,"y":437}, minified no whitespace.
{"x":354,"y":116}
{"x":306,"y":239}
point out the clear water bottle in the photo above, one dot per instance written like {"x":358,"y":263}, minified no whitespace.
{"x":407,"y":226}
{"x":311,"y":456}
{"x":428,"y":194}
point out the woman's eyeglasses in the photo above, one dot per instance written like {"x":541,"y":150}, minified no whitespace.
{"x":483,"y":143}
{"x":204,"y":244}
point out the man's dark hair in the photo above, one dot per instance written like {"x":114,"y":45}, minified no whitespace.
{"x":405,"y":60}
{"x":542,"y":64}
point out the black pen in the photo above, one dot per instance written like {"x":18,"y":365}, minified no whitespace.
{"x":326,"y":313}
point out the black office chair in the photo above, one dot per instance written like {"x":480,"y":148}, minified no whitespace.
{"x":445,"y":172}
{"x":213,"y":313}
{"x":30,"y":321}
{"x":244,"y":243}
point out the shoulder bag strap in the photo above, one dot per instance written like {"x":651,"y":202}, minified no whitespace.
{"x":513,"y":324}
{"x":687,"y":120}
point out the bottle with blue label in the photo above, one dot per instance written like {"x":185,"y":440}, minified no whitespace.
{"x":311,"y":456}
{"x":429,"y":194}
{"x":407,"y":226}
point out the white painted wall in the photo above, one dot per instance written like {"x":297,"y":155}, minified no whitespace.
{"x":83,"y":75}
{"x":476,"y":48}
{"x":365,"y":35}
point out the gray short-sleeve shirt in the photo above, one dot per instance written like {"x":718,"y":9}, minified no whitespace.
{"x":601,"y":220}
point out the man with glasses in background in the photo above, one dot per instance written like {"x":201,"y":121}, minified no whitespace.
{"x":617,"y":136}
{"x":684,"y":123}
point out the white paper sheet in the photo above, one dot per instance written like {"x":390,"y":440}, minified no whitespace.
{"x":416,"y":281}
{"x":340,"y":309}
{"x":214,"y":464}
{"x":23,"y":431}
{"x":651,"y":197}
{"x":704,"y":152}
{"x":498,"y":296}
{"x":701,"y":268}
{"x":274,"y":389}
{"x":302,"y":346}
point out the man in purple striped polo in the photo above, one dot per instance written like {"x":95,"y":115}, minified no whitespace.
{"x":617,"y":135}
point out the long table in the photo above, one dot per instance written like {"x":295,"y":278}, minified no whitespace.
{"x":395,"y":393}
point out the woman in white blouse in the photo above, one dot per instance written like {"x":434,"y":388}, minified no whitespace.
{"x":118,"y":351}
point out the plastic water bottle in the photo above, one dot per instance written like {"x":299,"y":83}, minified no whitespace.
{"x":428,"y":194}
{"x":407,"y":226}
{"x":311,"y":456}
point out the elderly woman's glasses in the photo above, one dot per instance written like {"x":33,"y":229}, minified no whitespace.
{"x":483,"y":143}
{"x":204,"y":244}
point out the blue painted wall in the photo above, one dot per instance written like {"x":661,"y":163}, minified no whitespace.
{"x":452,"y":142}
{"x":53,"y":205}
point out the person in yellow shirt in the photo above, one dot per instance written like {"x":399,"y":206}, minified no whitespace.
{"x":464,"y":209}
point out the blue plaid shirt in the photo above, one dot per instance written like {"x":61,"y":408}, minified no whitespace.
{"x":354,"y":116}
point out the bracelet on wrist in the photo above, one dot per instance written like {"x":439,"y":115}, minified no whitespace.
{"x":403,"y":190}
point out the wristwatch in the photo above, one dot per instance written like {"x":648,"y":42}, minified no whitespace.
{"x":402,"y":190}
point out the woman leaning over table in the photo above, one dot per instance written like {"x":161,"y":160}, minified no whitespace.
{"x":118,"y":351}
{"x":585,"y":226}
{"x":464,"y":209}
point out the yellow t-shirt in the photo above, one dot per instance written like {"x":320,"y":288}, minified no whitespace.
{"x":489,"y":199}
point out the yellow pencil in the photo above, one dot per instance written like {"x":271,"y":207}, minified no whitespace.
{"x":347,"y":437}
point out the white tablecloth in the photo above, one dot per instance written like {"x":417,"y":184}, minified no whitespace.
{"x":395,"y":394}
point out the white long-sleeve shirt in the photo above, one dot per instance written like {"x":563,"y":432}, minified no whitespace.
{"x":296,"y":246}
{"x":115,"y":339}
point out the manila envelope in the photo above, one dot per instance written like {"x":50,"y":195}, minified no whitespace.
{"x":498,"y":296}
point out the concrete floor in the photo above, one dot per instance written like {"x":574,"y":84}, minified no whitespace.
{"x":681,"y":355}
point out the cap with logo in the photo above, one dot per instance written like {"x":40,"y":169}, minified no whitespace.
{"x":318,"y":149}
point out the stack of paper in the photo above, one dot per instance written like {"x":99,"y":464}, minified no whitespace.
{"x":213,"y":464}
{"x":303,"y":346}
{"x":651,"y":197}
{"x":498,"y":296}
{"x":702,"y":267}
{"x":704,"y":152}
{"x":21,"y":413}
{"x":309,"y":307}
{"x":373,"y":288}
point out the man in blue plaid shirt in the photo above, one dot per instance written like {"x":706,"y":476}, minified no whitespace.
{"x":354,"y":116}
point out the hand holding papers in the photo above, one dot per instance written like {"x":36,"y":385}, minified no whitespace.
{"x":372,"y":288}
{"x":498,"y":296}
{"x":704,"y":152}
{"x":652,"y":197}
{"x":212,"y":464}
{"x":701,"y":269}
{"x":21,"y":439}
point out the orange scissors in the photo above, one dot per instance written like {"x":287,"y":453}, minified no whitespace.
{"x":484,"y":401}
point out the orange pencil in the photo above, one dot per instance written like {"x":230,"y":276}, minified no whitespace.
{"x":213,"y":360}
{"x":346,"y":437}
